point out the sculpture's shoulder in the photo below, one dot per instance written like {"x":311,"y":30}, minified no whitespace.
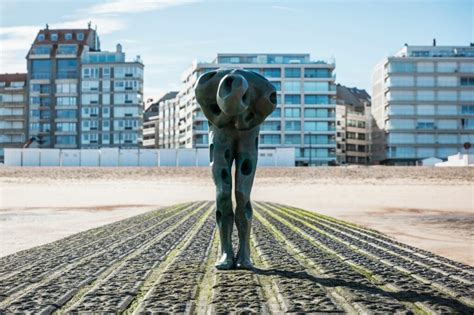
{"x":235,"y":97}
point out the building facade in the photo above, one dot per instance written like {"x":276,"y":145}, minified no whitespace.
{"x":423,"y":103}
{"x":79,"y":96}
{"x":305,"y":117}
{"x":353,"y":126}
{"x":12,"y":111}
{"x":151,"y":120}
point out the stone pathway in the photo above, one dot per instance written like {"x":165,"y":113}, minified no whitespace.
{"x":162,"y":262}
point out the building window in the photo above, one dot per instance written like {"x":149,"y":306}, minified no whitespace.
{"x":293,"y":139}
{"x":316,"y":99}
{"x":467,"y":81}
{"x":316,"y":73}
{"x":270,"y":139}
{"x":425,"y":81}
{"x":68,"y":36}
{"x":292,"y":86}
{"x":467,"y":109}
{"x":41,"y":50}
{"x":444,"y":81}
{"x":40,"y":37}
{"x":292,"y":112}
{"x":66,"y":139}
{"x":80,"y":36}
{"x":293,"y":126}
{"x":272,"y":72}
{"x":316,"y":86}
{"x":292,"y":72}
{"x":271,"y":126}
{"x":401,"y":67}
{"x":67,"y":49}
{"x":292,"y":99}
{"x":54,"y":37}
{"x":425,"y":67}
{"x":67,"y":69}
{"x":106,"y":72}
{"x":447,"y":67}
{"x":276,"y":113}
{"x":41,"y":69}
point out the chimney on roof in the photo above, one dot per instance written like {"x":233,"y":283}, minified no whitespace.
{"x":434,"y":42}
{"x":119,"y":48}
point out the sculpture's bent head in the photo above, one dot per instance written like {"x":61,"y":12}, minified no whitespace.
{"x":235,"y":97}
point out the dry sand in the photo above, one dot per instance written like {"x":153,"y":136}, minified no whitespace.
{"x":430,"y":208}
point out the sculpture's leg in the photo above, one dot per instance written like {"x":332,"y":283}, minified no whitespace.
{"x":221,"y":162}
{"x":246,"y":163}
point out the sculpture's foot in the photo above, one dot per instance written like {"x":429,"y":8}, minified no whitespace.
{"x":225,"y":263}
{"x":244,"y":263}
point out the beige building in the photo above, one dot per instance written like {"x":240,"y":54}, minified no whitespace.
{"x":353,"y":126}
{"x":12,"y":111}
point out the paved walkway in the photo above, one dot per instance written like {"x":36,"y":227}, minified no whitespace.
{"x":162,"y":261}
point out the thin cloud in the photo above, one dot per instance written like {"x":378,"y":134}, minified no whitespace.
{"x":135,"y":6}
{"x":285,"y":8}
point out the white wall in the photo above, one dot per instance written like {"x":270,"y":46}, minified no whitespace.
{"x":140,"y":157}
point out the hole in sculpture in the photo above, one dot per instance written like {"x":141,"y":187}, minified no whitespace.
{"x":224,"y":175}
{"x":273,"y":98}
{"x":215,"y":109}
{"x":256,"y":143}
{"x":228,"y":84}
{"x":211,"y":152}
{"x":246,"y":168}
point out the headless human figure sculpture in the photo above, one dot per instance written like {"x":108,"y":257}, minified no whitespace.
{"x":235,"y":102}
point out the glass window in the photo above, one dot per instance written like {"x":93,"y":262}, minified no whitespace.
{"x":80,"y":36}
{"x":316,"y":126}
{"x":293,"y":125}
{"x":271,"y":126}
{"x":66,"y":139}
{"x":447,"y":67}
{"x":425,"y":66}
{"x":292,"y":99}
{"x":445,"y":81}
{"x":425,"y":81}
{"x":40,"y":37}
{"x":41,"y":50}
{"x":401,"y":138}
{"x":270,"y":139}
{"x":316,"y":99}
{"x":447,"y":96}
{"x":67,"y":49}
{"x":292,"y":72}
{"x":67,"y":69}
{"x":447,"y":110}
{"x":466,"y":96}
{"x":54,"y":37}
{"x":425,"y":109}
{"x":292,"y":112}
{"x":401,"y":96}
{"x":467,"y":109}
{"x":425,"y":124}
{"x":425,"y":138}
{"x":316,"y":73}
{"x":66,"y":127}
{"x":401,"y":124}
{"x":448,"y":139}
{"x":318,"y":139}
{"x":68,"y":36}
{"x":467,"y":123}
{"x":70,"y":114}
{"x":466,"y":67}
{"x":293,"y":139}
{"x":106,"y":72}
{"x":401,"y":67}
{"x":292,"y":86}
{"x":272,"y":72}
{"x":447,"y":124}
{"x":316,"y":86}
{"x":41,"y":69}
{"x":425,"y":152}
{"x":401,"y":81}
{"x":401,"y":110}
{"x":425,"y":95}
{"x":66,"y":101}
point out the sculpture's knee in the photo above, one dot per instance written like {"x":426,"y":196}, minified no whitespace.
{"x":244,"y":206}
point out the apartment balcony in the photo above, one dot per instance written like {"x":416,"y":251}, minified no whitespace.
{"x":12,"y":131}
{"x":13,"y":104}
{"x":148,"y":131}
{"x":12,"y":117}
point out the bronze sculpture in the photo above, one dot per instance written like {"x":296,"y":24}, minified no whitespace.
{"x":235,"y":102}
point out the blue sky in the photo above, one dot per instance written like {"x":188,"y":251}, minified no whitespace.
{"x":169,"y":34}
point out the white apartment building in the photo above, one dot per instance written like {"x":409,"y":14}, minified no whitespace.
{"x":423,"y":103}
{"x":304,"y":118}
{"x":111,"y":100}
